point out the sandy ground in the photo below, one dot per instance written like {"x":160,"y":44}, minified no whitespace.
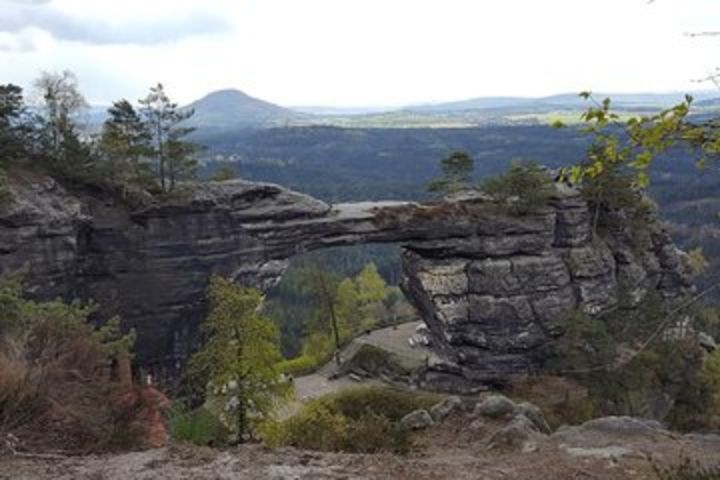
{"x":449,"y":451}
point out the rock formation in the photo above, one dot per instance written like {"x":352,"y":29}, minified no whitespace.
{"x":488,"y":284}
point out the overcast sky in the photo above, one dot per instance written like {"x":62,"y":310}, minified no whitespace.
{"x":360,"y":52}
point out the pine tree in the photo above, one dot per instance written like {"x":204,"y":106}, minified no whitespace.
{"x":238,"y":361}
{"x":14,"y":130}
{"x":125,"y":144}
{"x":172,"y":153}
{"x":457,"y":169}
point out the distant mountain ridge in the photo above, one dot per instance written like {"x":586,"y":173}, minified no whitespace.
{"x":561,"y":101}
{"x":231,"y":109}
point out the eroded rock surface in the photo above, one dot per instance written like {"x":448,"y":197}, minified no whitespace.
{"x":489,"y":285}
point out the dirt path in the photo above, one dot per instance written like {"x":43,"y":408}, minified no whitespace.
{"x":393,"y":339}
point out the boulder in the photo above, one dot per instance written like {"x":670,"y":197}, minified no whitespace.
{"x":610,"y":430}
{"x":535,"y":415}
{"x":440,"y":411}
{"x":416,"y":420}
{"x":495,"y":406}
{"x":518,"y":435}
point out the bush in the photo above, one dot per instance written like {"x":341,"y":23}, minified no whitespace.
{"x":305,"y":364}
{"x":360,"y":420}
{"x":523,"y":189}
{"x":199,"y":427}
{"x":54,"y":387}
{"x":315,"y":427}
{"x":389,"y":402}
{"x":562,"y":400}
{"x":670,"y":378}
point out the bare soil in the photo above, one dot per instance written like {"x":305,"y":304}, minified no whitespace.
{"x":452,"y":450}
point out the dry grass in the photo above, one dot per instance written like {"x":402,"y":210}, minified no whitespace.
{"x":63,"y":399}
{"x":563,"y":401}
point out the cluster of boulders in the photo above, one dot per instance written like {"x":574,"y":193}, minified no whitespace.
{"x":508,"y":426}
{"x":525,"y":421}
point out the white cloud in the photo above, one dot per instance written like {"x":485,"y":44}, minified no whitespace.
{"x":378,"y":51}
{"x":92,"y":26}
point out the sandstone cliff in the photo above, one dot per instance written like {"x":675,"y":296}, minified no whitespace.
{"x":489,"y":285}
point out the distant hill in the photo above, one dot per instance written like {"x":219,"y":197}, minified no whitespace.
{"x":569,"y":101}
{"x":232,"y":109}
{"x":710,"y":102}
{"x":228,"y":111}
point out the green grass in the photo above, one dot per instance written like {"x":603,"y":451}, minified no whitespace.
{"x":199,"y":427}
{"x":300,"y":366}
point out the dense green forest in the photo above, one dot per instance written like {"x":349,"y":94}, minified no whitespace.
{"x":337,"y":165}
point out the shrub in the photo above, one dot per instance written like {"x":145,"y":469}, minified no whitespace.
{"x":360,"y":420}
{"x":523,"y":189}
{"x":670,"y":377}
{"x":371,"y":433}
{"x":199,"y":427}
{"x":457,"y":169}
{"x":54,"y":387}
{"x":562,"y":400}
{"x":315,"y":427}
{"x":389,"y":402}
{"x":305,"y":364}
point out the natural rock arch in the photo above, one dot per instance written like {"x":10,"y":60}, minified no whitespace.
{"x":488,"y":284}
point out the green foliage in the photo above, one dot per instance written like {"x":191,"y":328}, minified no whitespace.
{"x":710,"y":378}
{"x":44,"y":327}
{"x":14,"y":125}
{"x":457,"y":170}
{"x":125,"y":145}
{"x":50,"y":355}
{"x":239,"y":359}
{"x":315,"y":427}
{"x":389,"y":402}
{"x":696,"y":261}
{"x":321,"y":301}
{"x":361,"y":420}
{"x":173,"y":154}
{"x":523,"y":189}
{"x":619,"y":158}
{"x":301,"y":365}
{"x":63,"y":151}
{"x":199,"y":427}
{"x":624,"y":374}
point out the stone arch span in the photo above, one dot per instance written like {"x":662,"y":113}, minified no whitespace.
{"x":488,"y":284}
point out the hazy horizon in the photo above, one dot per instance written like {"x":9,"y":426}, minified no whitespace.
{"x":361,"y":54}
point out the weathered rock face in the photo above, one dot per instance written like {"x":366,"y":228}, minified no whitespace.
{"x":490,"y":312}
{"x":489,"y":285}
